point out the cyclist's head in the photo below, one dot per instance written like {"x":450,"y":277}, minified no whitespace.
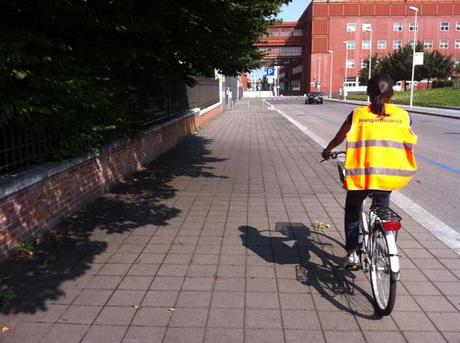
{"x":380,"y":91}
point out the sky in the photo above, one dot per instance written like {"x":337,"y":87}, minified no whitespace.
{"x":293,"y":10}
{"x":290,"y":12}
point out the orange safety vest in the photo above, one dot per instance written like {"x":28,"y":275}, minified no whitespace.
{"x":379,"y":152}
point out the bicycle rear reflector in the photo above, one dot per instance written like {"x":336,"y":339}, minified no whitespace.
{"x":391,"y":226}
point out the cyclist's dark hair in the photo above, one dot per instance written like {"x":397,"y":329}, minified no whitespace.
{"x":380,"y":91}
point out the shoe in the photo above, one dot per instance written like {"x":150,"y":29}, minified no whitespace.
{"x":351,"y":261}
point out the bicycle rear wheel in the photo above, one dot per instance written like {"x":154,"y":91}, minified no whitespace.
{"x":383,"y":283}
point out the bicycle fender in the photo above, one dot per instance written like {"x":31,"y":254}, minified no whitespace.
{"x":392,"y":251}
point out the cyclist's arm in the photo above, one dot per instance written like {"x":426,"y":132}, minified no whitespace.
{"x":339,"y":138}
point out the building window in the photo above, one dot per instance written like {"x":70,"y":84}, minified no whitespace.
{"x":297,"y":70}
{"x":366,"y":44}
{"x":286,"y":33}
{"x":428,"y":44}
{"x":350,"y":44}
{"x":412,"y":27}
{"x":457,"y":44}
{"x":363,"y":64}
{"x":381,"y":44}
{"x":350,"y":64}
{"x":457,"y":26}
{"x":366,"y":27}
{"x":443,"y":44}
{"x":444,"y":26}
{"x":351,"y":27}
{"x":295,"y":85}
{"x":397,"y":27}
{"x":297,"y":32}
{"x":411,"y":43}
{"x":274,"y":33}
{"x":397,"y":44}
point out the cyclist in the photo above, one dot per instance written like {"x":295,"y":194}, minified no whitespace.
{"x":379,"y":156}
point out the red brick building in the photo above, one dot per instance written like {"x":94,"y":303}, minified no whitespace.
{"x":338,"y":33}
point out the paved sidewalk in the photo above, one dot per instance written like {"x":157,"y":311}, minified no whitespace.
{"x":214,"y":243}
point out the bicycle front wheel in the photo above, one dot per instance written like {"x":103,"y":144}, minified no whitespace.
{"x":383,"y":284}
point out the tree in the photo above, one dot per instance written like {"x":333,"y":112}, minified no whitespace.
{"x":79,"y":66}
{"x":399,"y":63}
{"x":437,"y":65}
{"x":364,"y":72}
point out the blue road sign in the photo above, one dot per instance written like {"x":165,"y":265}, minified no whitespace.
{"x":271,"y":71}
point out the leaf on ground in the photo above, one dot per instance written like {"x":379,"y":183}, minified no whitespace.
{"x":5,"y":329}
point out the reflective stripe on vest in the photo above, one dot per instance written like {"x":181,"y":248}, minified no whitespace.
{"x":380,"y":142}
{"x":379,"y":152}
{"x":380,"y":171}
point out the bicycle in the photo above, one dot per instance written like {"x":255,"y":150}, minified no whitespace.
{"x":378,"y":254}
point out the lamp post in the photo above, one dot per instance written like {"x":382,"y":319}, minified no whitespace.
{"x":330,"y":74}
{"x":369,"y":29}
{"x":415,"y":9}
{"x":346,"y":71}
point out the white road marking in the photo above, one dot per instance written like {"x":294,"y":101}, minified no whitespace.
{"x":433,"y":224}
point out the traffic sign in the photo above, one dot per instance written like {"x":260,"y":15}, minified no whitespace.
{"x":270,"y":71}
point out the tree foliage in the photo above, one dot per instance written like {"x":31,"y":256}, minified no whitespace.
{"x":399,"y":65}
{"x":90,"y":67}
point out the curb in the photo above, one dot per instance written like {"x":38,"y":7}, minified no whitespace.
{"x":418,"y":111}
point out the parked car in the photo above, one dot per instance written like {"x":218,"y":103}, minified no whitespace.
{"x":314,"y":98}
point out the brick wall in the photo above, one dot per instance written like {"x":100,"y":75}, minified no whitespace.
{"x":31,"y":210}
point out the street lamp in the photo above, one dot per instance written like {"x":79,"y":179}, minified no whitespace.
{"x":369,"y":29}
{"x":330,"y":74}
{"x":346,"y":71}
{"x":415,"y":9}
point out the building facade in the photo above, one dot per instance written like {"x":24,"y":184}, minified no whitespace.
{"x":340,"y":34}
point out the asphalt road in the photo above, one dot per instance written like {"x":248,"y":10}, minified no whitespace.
{"x":436,"y":186}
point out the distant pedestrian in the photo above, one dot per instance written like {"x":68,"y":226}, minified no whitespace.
{"x":379,"y":156}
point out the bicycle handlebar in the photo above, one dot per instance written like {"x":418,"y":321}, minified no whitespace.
{"x":333,"y":155}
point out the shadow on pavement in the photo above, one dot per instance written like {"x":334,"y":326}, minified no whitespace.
{"x":293,"y":243}
{"x":66,"y":258}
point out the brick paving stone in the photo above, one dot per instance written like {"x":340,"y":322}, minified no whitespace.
{"x":188,"y":317}
{"x":298,"y":319}
{"x":104,"y":282}
{"x":144,"y":334}
{"x":434,"y":303}
{"x":104,"y":334}
{"x":304,"y":336}
{"x":423,"y":337}
{"x":344,"y":337}
{"x":263,"y":318}
{"x":377,"y":323}
{"x":114,"y":269}
{"x":258,"y":300}
{"x":228,"y":300}
{"x":337,"y":321}
{"x":449,"y":288}
{"x":445,"y":321}
{"x":26,"y":333}
{"x":194,"y":299}
{"x":80,"y":314}
{"x":135,"y":282}
{"x":412,"y":321}
{"x":69,"y":333}
{"x":184,"y":335}
{"x":152,"y":316}
{"x":261,"y":285}
{"x":115,"y":315}
{"x":226,"y":318}
{"x":229,"y":285}
{"x":296,"y":301}
{"x":93,"y":297}
{"x":143,"y":270}
{"x":224,"y":335}
{"x":384,"y":336}
{"x":166,"y":283}
{"x":264,"y":335}
{"x":198,"y":283}
{"x":126,"y":298}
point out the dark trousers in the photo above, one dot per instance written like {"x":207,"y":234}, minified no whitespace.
{"x":353,"y":207}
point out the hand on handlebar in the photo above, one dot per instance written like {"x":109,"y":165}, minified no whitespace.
{"x":327,"y":154}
